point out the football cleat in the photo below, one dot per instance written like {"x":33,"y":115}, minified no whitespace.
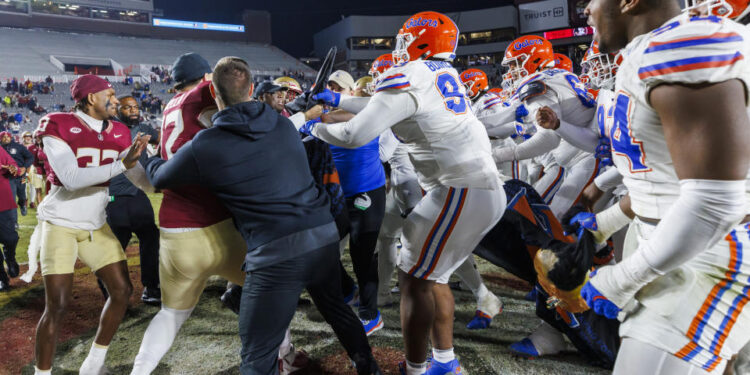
{"x":374,"y":325}
{"x":525,"y":349}
{"x":480,"y":321}
{"x":439,"y":368}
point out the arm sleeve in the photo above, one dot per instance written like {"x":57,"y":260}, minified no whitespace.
{"x":62,"y":160}
{"x":137,"y":175}
{"x":385,"y":109}
{"x":584,"y":138}
{"x":181,"y":169}
{"x":298,"y":119}
{"x":387,"y":144}
{"x":608,"y":180}
{"x":500,"y":117}
{"x":542,"y":142}
{"x":353,"y":104}
{"x":502,"y":131}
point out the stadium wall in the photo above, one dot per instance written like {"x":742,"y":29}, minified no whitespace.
{"x":257,"y":27}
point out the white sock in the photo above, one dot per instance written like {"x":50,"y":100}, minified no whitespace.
{"x":37,"y":371}
{"x":94,"y":362}
{"x":469,"y":274}
{"x":415,"y":368}
{"x":547,"y":340}
{"x":286,"y":346}
{"x":158,"y":339}
{"x":387,"y":255}
{"x":443,"y":355}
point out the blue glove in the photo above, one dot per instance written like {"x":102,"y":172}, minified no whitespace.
{"x":585,"y":220}
{"x":521,"y":112}
{"x":309,"y":126}
{"x":328,"y":97}
{"x":598,"y":302}
{"x":603,"y":152}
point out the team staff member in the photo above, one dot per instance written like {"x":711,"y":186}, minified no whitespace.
{"x":8,"y":234}
{"x":284,"y":217}
{"x":23,"y":158}
{"x":272,"y":94}
{"x":363,"y":180}
{"x":129,"y":210}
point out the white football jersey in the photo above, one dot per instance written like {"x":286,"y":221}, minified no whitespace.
{"x":448,"y":146}
{"x":684,"y":50}
{"x":568,"y":97}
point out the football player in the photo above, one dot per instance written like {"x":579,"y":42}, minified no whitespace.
{"x":563,"y":62}
{"x":538,"y":85}
{"x":679,"y":138}
{"x":85,"y":149}
{"x":421,"y":99}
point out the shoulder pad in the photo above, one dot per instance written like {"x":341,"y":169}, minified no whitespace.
{"x":532,"y":89}
{"x":694,"y":50}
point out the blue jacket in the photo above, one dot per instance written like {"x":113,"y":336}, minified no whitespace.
{"x":20,"y":154}
{"x":254,"y":161}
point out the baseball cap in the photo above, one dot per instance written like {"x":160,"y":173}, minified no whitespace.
{"x":267,"y":87}
{"x":87,"y":84}
{"x":343,"y":79}
{"x":189,"y":67}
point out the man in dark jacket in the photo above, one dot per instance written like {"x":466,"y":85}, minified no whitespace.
{"x":8,"y":234}
{"x":129,"y":210}
{"x":23,"y":158}
{"x":254,"y":162}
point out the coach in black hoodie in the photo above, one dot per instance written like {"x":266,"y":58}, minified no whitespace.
{"x":253,"y":160}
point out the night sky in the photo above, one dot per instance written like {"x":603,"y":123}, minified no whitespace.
{"x":294,"y":22}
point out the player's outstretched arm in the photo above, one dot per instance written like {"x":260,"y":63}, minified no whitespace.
{"x":65,"y":164}
{"x":385,"y":109}
{"x":707,"y":131}
{"x":181,"y":169}
{"x":542,"y":142}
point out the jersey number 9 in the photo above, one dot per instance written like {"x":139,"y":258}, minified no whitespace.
{"x":449,"y":88}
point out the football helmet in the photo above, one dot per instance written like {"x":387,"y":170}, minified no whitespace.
{"x":293,"y":87}
{"x":601,"y":67}
{"x":734,"y":9}
{"x":527,"y":55}
{"x":366,"y":84}
{"x":563,"y":62}
{"x":380,"y":65}
{"x":425,"y":35}
{"x":475,"y":81}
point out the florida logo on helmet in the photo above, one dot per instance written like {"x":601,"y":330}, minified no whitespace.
{"x":527,"y":43}
{"x":421,"y":22}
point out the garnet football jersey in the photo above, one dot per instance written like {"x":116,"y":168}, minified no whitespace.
{"x":81,"y":208}
{"x":188,"y":206}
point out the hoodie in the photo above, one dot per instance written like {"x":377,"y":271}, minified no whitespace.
{"x":254,"y":161}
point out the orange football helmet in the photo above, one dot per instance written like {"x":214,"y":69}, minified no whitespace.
{"x":563,"y":62}
{"x":475,"y":81}
{"x":495,"y":90}
{"x":527,"y":55}
{"x":601,"y":67}
{"x":425,"y":35}
{"x":734,"y":9}
{"x":380,"y":65}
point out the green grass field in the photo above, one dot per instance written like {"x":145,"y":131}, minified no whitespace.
{"x":208,"y":342}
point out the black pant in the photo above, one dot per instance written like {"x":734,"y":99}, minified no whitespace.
{"x":269,"y":299}
{"x":364,"y":226}
{"x":19,"y":190}
{"x":8,"y":239}
{"x":133,"y":214}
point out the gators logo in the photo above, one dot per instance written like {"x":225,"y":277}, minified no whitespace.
{"x":417,"y":22}
{"x":527,"y":43}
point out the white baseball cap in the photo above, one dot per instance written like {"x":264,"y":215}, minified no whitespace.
{"x":343,"y":79}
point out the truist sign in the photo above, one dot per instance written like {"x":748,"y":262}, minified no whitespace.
{"x":543,"y":15}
